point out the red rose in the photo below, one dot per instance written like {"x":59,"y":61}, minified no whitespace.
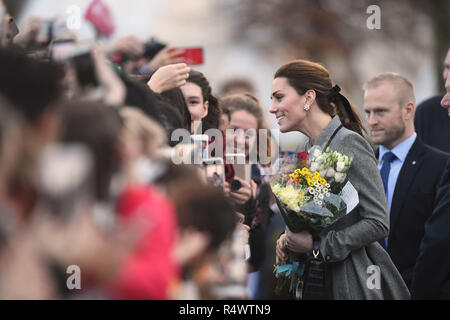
{"x":302,"y":155}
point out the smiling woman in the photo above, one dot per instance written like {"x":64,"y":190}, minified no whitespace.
{"x":305,"y":100}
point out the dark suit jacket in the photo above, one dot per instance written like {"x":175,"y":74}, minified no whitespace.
{"x":432,"y":272}
{"x":413,"y":203}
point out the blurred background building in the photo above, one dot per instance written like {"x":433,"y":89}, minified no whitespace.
{"x":252,"y":38}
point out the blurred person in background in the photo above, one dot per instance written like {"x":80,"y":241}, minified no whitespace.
{"x":206,"y":222}
{"x":432,"y":122}
{"x":237,"y":86}
{"x":252,"y":199}
{"x":225,"y":118}
{"x":148,"y":271}
{"x":33,"y":88}
{"x":142,"y":138}
{"x":432,"y":271}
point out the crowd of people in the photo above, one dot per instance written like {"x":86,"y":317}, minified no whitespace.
{"x":88,"y":179}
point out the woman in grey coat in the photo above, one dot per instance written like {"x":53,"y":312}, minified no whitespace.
{"x":359,"y":268}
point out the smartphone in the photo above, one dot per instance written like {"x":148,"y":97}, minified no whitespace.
{"x":191,"y":56}
{"x":215,"y":172}
{"x":242,"y":169}
{"x":60,"y":50}
{"x":83,"y":63}
{"x":152,"y":48}
{"x":201,"y":147}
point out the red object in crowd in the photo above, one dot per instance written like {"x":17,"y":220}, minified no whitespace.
{"x":150,"y":270}
{"x":302,"y":156}
{"x":100,"y":16}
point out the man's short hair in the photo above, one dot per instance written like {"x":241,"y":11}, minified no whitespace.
{"x":405,"y":88}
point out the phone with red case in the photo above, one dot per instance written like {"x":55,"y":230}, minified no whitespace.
{"x":191,"y":56}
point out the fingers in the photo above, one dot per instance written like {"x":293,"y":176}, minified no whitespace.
{"x":169,"y":77}
{"x":281,"y":256}
{"x":172,"y":52}
{"x":238,"y":198}
{"x":254,"y":188}
{"x":241,"y":217}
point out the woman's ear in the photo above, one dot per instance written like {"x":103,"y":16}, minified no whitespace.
{"x":205,"y":109}
{"x":310,"y":96}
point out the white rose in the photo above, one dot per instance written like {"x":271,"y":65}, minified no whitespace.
{"x":317,"y":153}
{"x":339,"y":177}
{"x":330,"y":173}
{"x":320,"y":158}
{"x":340,"y":166}
{"x":314,"y":166}
{"x":323,"y":172}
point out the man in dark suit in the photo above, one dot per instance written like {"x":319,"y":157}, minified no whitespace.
{"x":432,"y":122}
{"x":432,"y":272}
{"x":410,"y":169}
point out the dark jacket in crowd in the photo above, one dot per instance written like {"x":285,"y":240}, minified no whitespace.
{"x":433,"y":123}
{"x":412,"y":204}
{"x":432,"y":272}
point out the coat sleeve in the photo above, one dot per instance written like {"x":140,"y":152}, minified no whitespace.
{"x":432,"y":267}
{"x":374,"y":221}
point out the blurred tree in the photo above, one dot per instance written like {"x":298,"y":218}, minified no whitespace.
{"x":318,"y":29}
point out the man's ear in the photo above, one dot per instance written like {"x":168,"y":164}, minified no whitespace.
{"x":205,"y":109}
{"x":410,"y":109}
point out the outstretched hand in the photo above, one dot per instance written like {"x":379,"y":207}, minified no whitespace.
{"x":169,"y":77}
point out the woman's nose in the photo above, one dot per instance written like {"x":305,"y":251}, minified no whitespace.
{"x":273,"y":109}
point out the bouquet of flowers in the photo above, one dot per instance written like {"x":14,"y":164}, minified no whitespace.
{"x":308,"y":192}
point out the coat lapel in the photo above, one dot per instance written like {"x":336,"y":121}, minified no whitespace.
{"x":326,"y":133}
{"x":408,"y":172}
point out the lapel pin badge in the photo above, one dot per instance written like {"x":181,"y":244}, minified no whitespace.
{"x":413,"y":163}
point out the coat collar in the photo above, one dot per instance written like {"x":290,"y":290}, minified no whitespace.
{"x":326,"y":133}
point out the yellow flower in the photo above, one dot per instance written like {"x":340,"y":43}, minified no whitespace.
{"x":292,"y":197}
{"x":323,"y":181}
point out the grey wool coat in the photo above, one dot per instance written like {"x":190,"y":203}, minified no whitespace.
{"x":350,"y":246}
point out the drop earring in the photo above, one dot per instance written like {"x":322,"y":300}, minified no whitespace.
{"x":306,"y":107}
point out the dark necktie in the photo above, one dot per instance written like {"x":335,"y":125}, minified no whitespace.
{"x":385,"y":169}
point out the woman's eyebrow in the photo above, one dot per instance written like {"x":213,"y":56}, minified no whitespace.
{"x":273,"y":94}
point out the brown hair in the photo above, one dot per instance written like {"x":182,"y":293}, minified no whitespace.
{"x":305,"y":75}
{"x":211,"y":121}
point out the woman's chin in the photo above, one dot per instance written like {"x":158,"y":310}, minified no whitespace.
{"x":285,"y":129}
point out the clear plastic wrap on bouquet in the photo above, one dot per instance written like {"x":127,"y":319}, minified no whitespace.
{"x":308,"y":191}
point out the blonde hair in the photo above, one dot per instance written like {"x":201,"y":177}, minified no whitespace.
{"x":404,"y":88}
{"x":151,"y":134}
